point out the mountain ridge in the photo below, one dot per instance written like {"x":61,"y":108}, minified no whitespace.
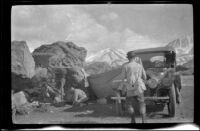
{"x":184,"y":49}
{"x":115,"y":57}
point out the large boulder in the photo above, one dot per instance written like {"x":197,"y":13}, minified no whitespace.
{"x":62,"y":59}
{"x":22,"y":66}
{"x":60,"y":54}
{"x":19,"y":83}
{"x":19,"y":99}
{"x":22,"y":62}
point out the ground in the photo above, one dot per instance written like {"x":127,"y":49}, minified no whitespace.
{"x":97,"y":113}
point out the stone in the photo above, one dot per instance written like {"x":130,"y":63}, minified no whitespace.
{"x":19,"y":99}
{"x":19,"y":83}
{"x":22,"y":66}
{"x":22,"y":62}
{"x":60,"y":55}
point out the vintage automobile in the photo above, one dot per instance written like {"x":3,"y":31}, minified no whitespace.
{"x":163,"y":83}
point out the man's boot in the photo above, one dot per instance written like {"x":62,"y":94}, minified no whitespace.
{"x":178,"y":96}
{"x":123,"y":106}
{"x":143,"y":112}
{"x":132,"y":113}
{"x":144,"y":118}
{"x":133,"y":118}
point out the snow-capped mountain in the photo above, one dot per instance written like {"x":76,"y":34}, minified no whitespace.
{"x":113,"y":57}
{"x":184,"y":49}
{"x":184,"y":59}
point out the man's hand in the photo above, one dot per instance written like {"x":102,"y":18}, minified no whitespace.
{"x":121,"y":85}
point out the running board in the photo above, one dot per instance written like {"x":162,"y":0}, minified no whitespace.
{"x":146,"y":98}
{"x":156,"y":98}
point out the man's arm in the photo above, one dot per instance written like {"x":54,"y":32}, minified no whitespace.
{"x":62,"y":86}
{"x":144,"y":76}
{"x":122,"y":77}
{"x":75,"y":97}
{"x":123,"y":73}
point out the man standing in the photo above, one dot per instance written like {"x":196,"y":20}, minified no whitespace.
{"x":133,"y":75}
{"x":60,"y":74}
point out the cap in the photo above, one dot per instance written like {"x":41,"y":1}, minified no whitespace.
{"x":131,"y":54}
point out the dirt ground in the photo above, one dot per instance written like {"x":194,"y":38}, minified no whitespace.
{"x":96,"y":113}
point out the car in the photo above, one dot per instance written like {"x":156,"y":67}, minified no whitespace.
{"x":163,"y":83}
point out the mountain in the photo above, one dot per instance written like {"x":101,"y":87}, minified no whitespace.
{"x":188,"y":68}
{"x":184,"y":49}
{"x":114,"y":57}
{"x":189,"y":64}
{"x":183,"y":45}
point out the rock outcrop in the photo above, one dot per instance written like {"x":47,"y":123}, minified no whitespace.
{"x":19,"y":83}
{"x":22,"y":66}
{"x":22,"y":62}
{"x":62,"y":59}
{"x":60,"y":54}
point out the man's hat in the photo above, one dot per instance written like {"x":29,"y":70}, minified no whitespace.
{"x":131,"y":54}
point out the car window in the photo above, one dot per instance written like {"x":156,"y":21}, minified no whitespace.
{"x":157,"y":58}
{"x":153,"y":60}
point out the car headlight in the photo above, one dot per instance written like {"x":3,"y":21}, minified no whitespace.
{"x":152,"y":83}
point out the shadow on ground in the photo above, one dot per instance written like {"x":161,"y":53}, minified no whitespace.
{"x":93,"y":110}
{"x":108,"y":110}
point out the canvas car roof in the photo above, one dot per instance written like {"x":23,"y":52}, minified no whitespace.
{"x":157,"y":49}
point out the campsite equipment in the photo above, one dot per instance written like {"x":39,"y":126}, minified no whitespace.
{"x":103,"y":84}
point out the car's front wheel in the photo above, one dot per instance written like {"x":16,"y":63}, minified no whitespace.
{"x":172,"y":101}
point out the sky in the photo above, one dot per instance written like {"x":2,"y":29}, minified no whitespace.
{"x":97,"y":27}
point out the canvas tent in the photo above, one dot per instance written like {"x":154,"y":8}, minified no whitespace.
{"x":104,"y":83}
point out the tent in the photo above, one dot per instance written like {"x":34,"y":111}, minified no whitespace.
{"x":103,"y":84}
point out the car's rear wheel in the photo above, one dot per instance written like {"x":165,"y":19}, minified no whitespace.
{"x":172,"y":101}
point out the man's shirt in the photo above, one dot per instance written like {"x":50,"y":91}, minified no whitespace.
{"x":134,"y":73}
{"x":79,"y":94}
{"x":75,"y":95}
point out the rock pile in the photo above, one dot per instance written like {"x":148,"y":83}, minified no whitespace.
{"x":45,"y":75}
{"x":64,"y":61}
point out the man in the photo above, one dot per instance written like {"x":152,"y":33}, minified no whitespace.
{"x":76,"y":96}
{"x":60,"y":82}
{"x":133,"y":75}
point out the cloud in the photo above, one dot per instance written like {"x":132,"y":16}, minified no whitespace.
{"x":87,"y":32}
{"x":110,"y":16}
{"x":40,"y":23}
{"x":137,"y":41}
{"x":46,"y":24}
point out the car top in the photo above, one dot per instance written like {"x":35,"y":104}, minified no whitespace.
{"x":157,"y":49}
